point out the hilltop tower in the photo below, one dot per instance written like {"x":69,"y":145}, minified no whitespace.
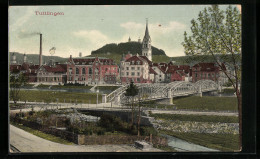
{"x":13,"y":59}
{"x":24,"y":58}
{"x":146,"y":45}
{"x":129,"y":39}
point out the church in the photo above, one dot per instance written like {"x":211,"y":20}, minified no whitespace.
{"x":137,"y":68}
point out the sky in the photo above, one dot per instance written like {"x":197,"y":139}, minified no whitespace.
{"x":87,"y":28}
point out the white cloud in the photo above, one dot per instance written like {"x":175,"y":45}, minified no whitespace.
{"x":92,"y":35}
{"x":94,"y":39}
{"x":26,"y":16}
{"x":166,"y":28}
{"x":155,"y":27}
{"x":132,"y":25}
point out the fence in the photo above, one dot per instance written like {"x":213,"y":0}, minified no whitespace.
{"x":72,"y":137}
{"x":82,"y":139}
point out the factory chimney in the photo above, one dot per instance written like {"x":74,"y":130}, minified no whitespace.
{"x":40,"y":56}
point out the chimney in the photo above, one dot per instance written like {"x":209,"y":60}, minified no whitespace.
{"x":40,"y":56}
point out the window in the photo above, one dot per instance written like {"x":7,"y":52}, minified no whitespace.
{"x":132,"y":68}
{"x":83,"y":71}
{"x":138,"y":68}
{"x":196,"y":75}
{"x":77,"y":70}
{"x":122,"y":68}
{"x":132,"y":73}
{"x":127,"y":68}
{"x":209,"y":75}
{"x":138,"y":79}
{"x":132,"y":62}
{"x":138,"y":62}
{"x":70,"y":71}
{"x":138,"y":73}
{"x":90,"y":71}
{"x":127,"y":73}
{"x":122,"y":74}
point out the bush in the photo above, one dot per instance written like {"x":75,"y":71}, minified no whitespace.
{"x":146,"y":131}
{"x":31,"y":113}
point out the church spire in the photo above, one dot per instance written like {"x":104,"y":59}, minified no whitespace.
{"x":147,"y":36}
{"x":146,"y":45}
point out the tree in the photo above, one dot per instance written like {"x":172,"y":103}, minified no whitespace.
{"x":17,"y":80}
{"x":218,"y":33}
{"x":132,"y":91}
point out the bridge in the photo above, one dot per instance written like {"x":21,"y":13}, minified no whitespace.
{"x":155,"y":91}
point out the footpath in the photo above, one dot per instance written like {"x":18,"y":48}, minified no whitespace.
{"x":37,"y":106}
{"x":26,"y":142}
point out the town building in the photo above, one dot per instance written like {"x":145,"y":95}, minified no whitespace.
{"x":52,"y":74}
{"x":160,"y":73}
{"x":178,"y":73}
{"x":92,"y":70}
{"x":136,"y":69}
{"x":202,"y":71}
{"x":28,"y":69}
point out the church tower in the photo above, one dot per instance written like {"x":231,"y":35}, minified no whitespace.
{"x":24,"y":58}
{"x":146,"y":45}
{"x":13,"y":60}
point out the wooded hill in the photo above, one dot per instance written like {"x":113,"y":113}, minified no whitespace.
{"x":34,"y":58}
{"x":180,"y":60}
{"x":124,"y":48}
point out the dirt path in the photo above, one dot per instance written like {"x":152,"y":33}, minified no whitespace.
{"x":26,"y":142}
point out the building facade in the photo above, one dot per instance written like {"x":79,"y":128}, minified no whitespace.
{"x":92,"y":70}
{"x":203,"y":71}
{"x":136,"y":69}
{"x":52,"y":74}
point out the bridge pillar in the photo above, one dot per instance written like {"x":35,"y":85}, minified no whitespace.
{"x":170,"y":96}
{"x":200,"y":92}
{"x":104,"y":98}
{"x":219,"y":88}
{"x":117,"y":100}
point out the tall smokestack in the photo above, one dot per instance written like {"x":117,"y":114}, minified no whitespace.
{"x":40,"y":56}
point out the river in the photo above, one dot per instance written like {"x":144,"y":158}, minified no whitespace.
{"x":182,"y":145}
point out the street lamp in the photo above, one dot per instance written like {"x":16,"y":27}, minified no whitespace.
{"x":97,"y":97}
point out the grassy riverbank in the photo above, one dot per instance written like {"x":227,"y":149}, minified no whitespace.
{"x":197,"y":118}
{"x":52,"y":96}
{"x":43,"y":135}
{"x":222,"y":142}
{"x":206,"y":103}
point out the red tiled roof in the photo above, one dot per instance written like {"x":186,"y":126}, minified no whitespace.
{"x":146,"y":59}
{"x":35,"y":67}
{"x":151,"y":71}
{"x":14,"y":67}
{"x":173,"y":68}
{"x":180,"y":72}
{"x":135,"y":59}
{"x":56,"y":69}
{"x":206,"y":66}
{"x":87,"y":61}
{"x":25,"y":66}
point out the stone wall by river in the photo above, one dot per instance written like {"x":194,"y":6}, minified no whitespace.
{"x":197,"y":127}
